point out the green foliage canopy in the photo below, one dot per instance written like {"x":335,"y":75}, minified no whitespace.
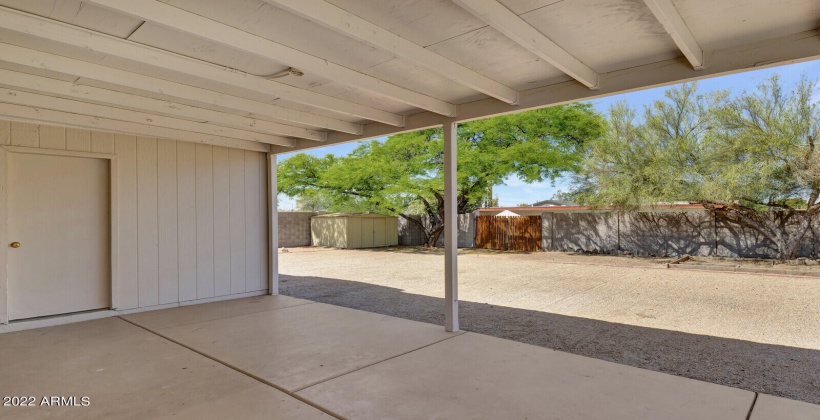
{"x":755,"y":150}
{"x":404,"y":174}
{"x":744,"y":154}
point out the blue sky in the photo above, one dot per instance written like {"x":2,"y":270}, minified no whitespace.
{"x":515,"y":192}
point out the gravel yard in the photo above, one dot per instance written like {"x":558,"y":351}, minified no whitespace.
{"x":751,"y":331}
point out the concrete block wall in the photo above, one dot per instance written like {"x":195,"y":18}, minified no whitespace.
{"x":466,"y":231}
{"x":736,"y":240}
{"x":294,"y":228}
{"x":547,"y":220}
{"x":594,"y":232}
{"x":669,"y":234}
{"x":412,"y":234}
{"x":651,"y":233}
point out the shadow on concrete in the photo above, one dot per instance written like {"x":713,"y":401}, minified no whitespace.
{"x":771,"y":369}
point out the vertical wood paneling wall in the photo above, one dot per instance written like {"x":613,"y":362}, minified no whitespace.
{"x":192,"y":217}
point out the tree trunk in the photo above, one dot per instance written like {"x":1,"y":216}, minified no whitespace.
{"x":433,"y":241}
{"x":427,"y":230}
{"x":435,"y":229}
{"x":794,"y":239}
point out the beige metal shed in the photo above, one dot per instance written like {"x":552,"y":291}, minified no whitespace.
{"x":354,"y":230}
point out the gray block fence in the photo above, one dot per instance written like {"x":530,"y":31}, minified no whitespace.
{"x":578,"y":232}
{"x":412,"y":234}
{"x":294,"y":228}
{"x":698,"y":233}
{"x":666,"y":234}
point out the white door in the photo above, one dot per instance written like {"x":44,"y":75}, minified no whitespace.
{"x":58,"y":212}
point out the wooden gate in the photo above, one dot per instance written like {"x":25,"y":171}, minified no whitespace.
{"x":491,"y":232}
{"x":522,"y":233}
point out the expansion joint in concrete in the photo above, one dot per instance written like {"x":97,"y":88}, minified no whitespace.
{"x":238,"y":370}
{"x":752,"y":407}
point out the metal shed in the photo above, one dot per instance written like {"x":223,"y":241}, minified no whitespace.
{"x":354,"y":230}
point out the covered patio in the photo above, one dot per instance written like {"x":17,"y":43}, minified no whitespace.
{"x":138,"y":147}
{"x":281,"y":357}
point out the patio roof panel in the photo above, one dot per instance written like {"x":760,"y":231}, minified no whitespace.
{"x":721,"y":24}
{"x":491,"y":53}
{"x":605,"y":35}
{"x":79,"y":13}
{"x":441,"y":19}
{"x":270,"y":22}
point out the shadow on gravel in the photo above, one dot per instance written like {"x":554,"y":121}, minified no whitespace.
{"x":423,"y":250}
{"x":771,"y":369}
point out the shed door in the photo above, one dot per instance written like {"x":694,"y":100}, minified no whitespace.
{"x":367,"y":232}
{"x":378,"y":232}
{"x":58,"y":210}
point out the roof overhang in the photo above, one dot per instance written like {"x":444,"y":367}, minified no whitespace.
{"x":226,"y":73}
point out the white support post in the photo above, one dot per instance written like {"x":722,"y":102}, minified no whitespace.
{"x":450,"y":227}
{"x":273,"y":228}
{"x":4,"y":307}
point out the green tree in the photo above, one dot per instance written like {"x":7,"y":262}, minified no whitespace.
{"x":404,"y":175}
{"x":742,"y":156}
{"x":659,"y":159}
{"x":315,"y":201}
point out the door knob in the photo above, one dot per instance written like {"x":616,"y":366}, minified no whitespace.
{"x":15,"y":244}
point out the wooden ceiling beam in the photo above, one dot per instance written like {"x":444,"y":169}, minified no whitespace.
{"x":344,"y":22}
{"x":220,"y":33}
{"x":35,"y":100}
{"x":789,"y":49}
{"x":68,"y":119}
{"x":54,"y":87}
{"x":673,"y":23}
{"x":508,"y":23}
{"x":231,"y":81}
{"x":108,"y":75}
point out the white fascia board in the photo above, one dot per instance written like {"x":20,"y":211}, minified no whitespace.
{"x":35,"y":100}
{"x":68,"y":119}
{"x":54,"y":87}
{"x":800,"y":47}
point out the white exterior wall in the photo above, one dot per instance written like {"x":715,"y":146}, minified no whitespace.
{"x":192,"y":218}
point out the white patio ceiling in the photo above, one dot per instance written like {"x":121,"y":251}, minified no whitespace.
{"x":200,"y":69}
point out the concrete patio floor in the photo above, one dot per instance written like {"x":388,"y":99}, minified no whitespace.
{"x":281,"y":357}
